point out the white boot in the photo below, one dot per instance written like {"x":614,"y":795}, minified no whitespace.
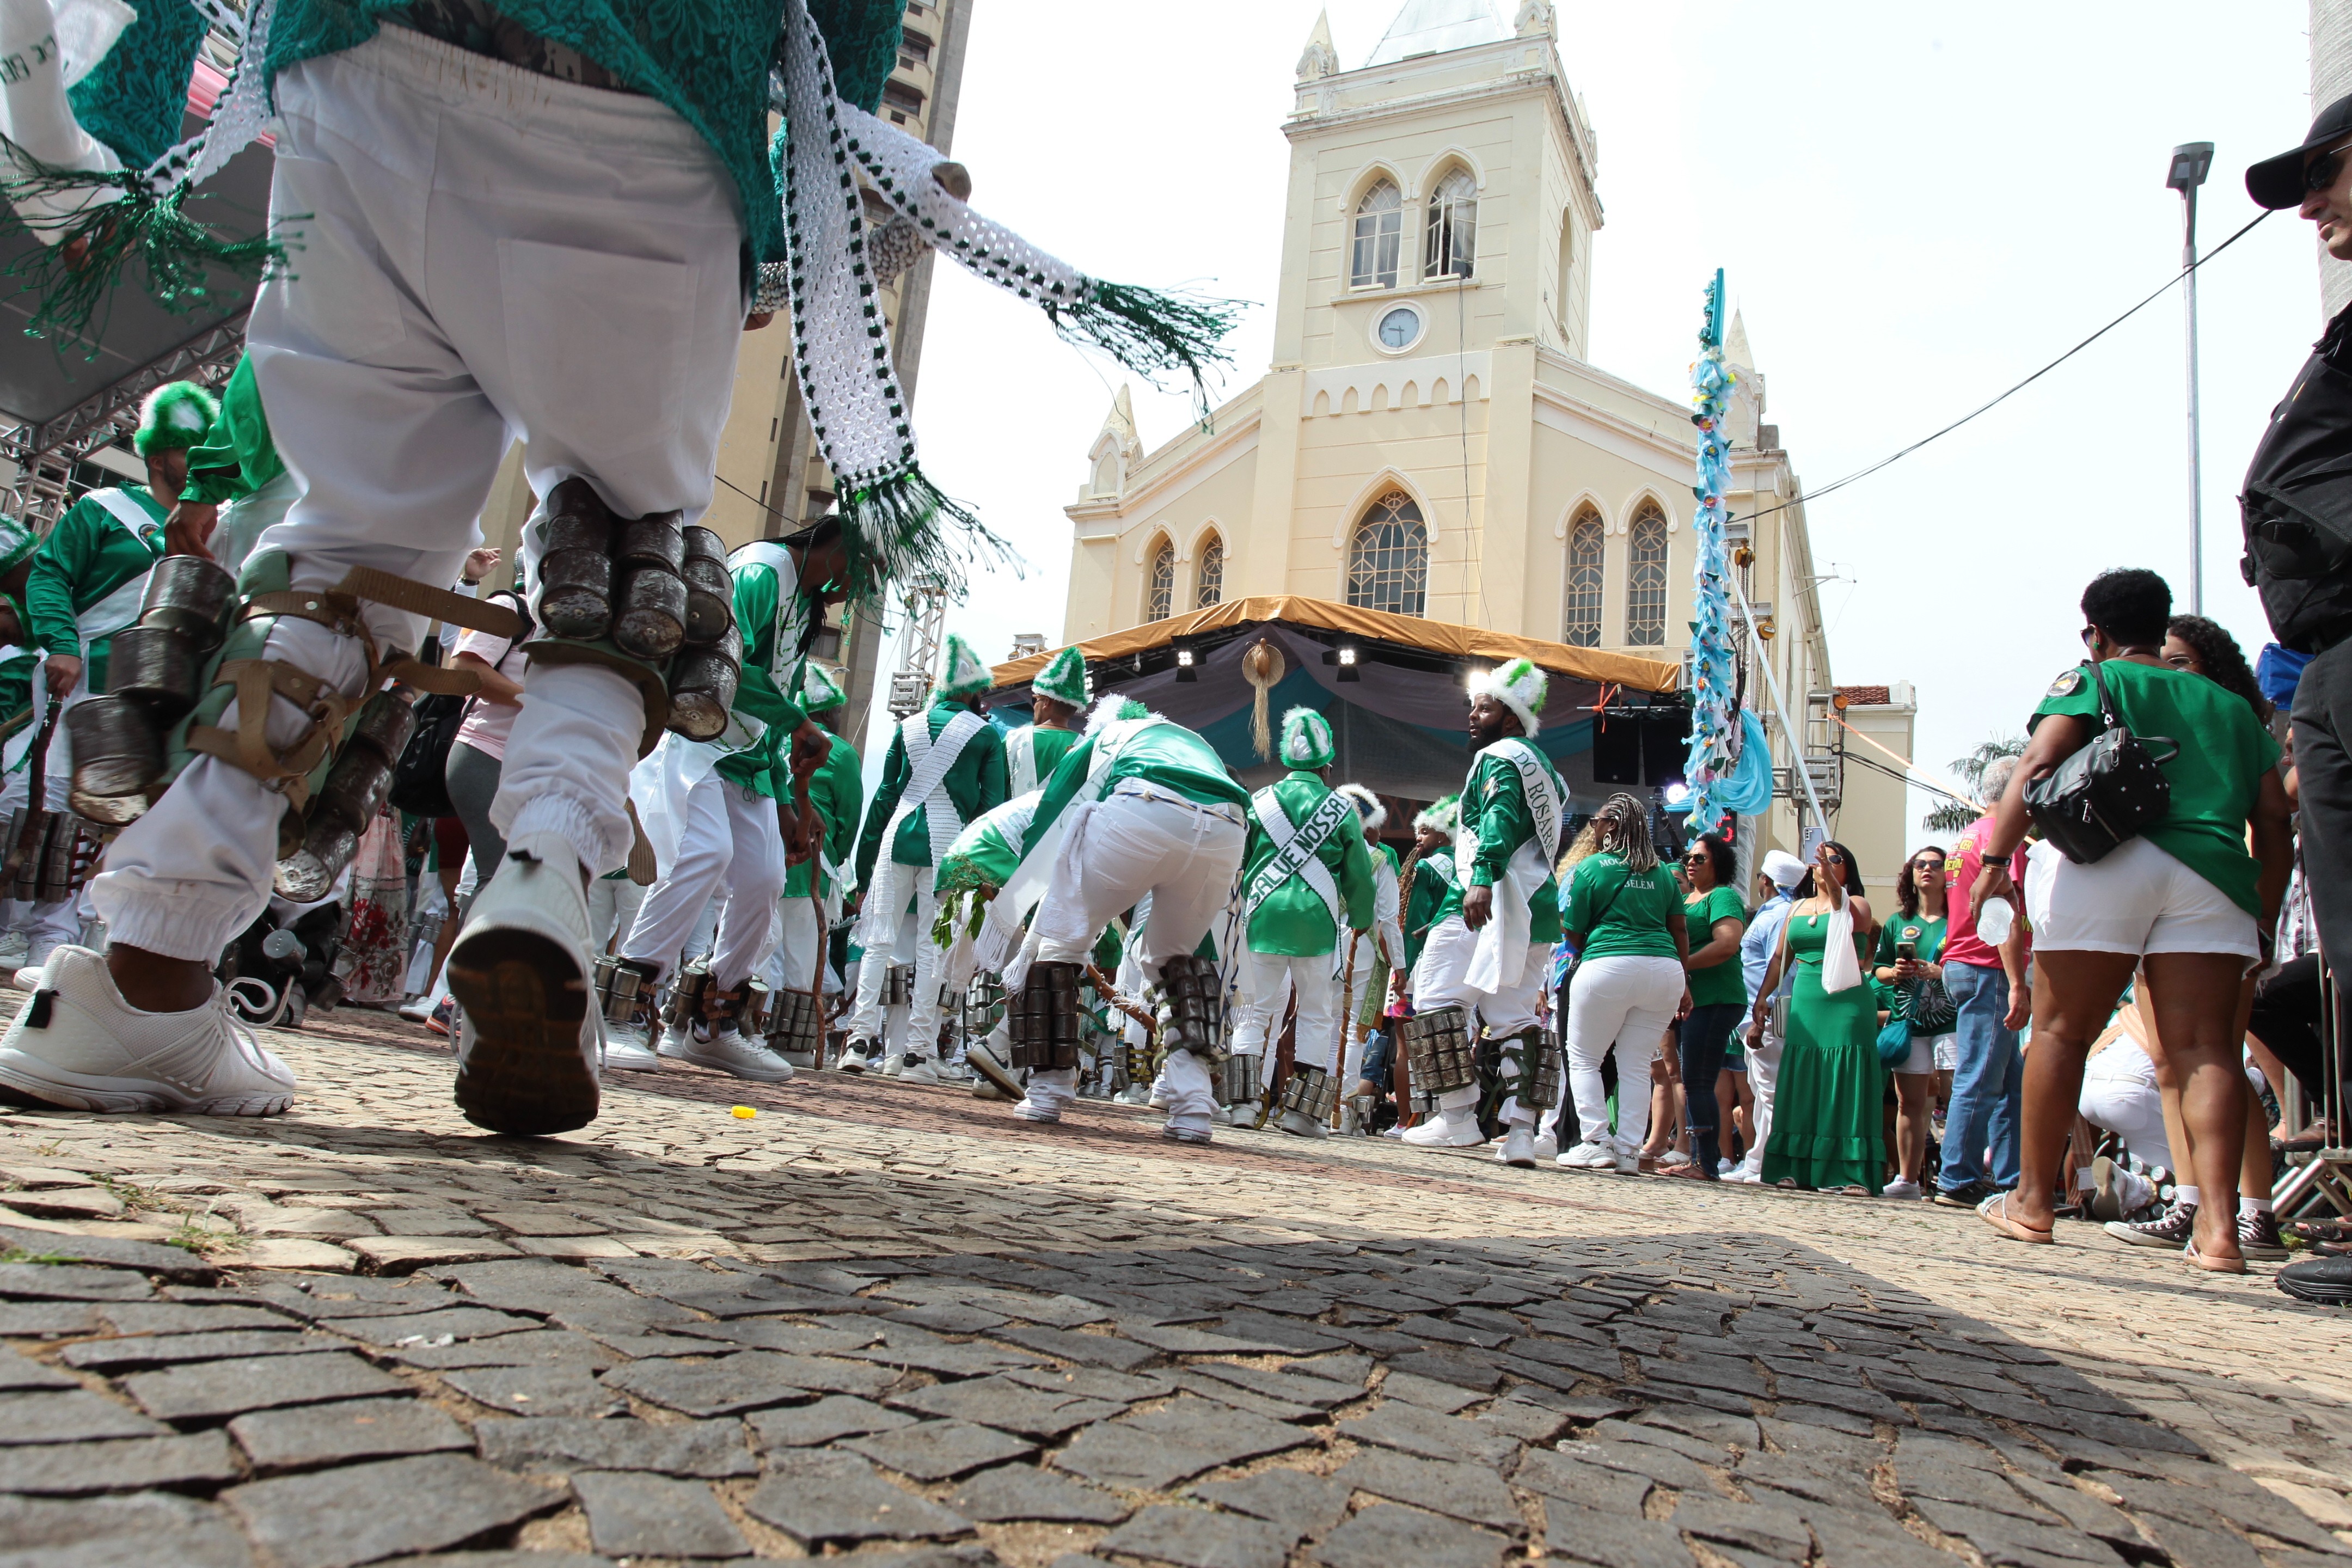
{"x":1519,"y":1148}
{"x":78,"y":1044}
{"x":730,"y":1052}
{"x":1454,"y":1128}
{"x":529,"y":1052}
{"x":626,"y":1049}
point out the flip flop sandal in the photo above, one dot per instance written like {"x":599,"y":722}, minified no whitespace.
{"x":1995,"y":1212}
{"x":2211,"y":1265}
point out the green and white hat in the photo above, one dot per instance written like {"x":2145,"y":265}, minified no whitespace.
{"x":1368,"y":807}
{"x":176,"y":415}
{"x":819,"y":691}
{"x":1518,"y":686}
{"x":16,"y":541}
{"x":1063,"y":679}
{"x":967,"y":674}
{"x":1438,"y":817}
{"x":1305,"y":740}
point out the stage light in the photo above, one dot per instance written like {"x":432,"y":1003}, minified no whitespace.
{"x":1185,"y":673}
{"x":1347,"y":670}
{"x":1677,"y":792}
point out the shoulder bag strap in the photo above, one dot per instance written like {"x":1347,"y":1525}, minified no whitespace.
{"x":2110,"y":716}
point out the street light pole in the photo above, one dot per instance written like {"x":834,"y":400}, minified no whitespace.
{"x":2189,"y":163}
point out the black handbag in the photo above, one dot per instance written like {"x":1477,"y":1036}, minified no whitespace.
{"x":2106,"y":794}
{"x":420,"y":779}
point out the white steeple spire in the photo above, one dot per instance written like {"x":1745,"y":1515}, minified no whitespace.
{"x":1320,"y":57}
{"x":1432,"y":26}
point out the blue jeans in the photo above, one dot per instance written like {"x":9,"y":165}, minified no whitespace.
{"x":1985,"y":1084}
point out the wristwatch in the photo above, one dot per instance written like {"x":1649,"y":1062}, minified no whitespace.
{"x":2000,"y":860}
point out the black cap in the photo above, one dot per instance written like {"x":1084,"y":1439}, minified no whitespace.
{"x":2278,"y":181}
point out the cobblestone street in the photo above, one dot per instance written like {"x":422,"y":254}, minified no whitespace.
{"x":898,"y":1322}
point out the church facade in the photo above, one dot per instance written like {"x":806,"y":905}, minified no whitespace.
{"x":1432,"y":437}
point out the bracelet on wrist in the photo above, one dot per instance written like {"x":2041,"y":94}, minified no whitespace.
{"x":2000,"y":860}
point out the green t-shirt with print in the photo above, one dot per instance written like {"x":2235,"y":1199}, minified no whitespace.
{"x":1627,"y":924}
{"x":2216,"y":776}
{"x":1928,"y":933}
{"x":1721,"y":983}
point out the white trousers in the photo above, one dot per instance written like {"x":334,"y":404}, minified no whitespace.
{"x":1442,"y":979}
{"x":1763,"y":1078}
{"x":732,"y":844}
{"x":1349,"y":988}
{"x":911,"y":944}
{"x":1183,"y":855}
{"x":487,"y":254}
{"x":796,"y":955}
{"x":613,"y":905}
{"x":1624,"y":1005}
{"x":1258,"y":1020}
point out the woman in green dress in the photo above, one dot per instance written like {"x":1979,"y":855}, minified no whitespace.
{"x":1826,"y":1112}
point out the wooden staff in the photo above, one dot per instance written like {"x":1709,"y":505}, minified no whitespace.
{"x":1111,"y":994}
{"x":811,"y":827}
{"x":1276,"y":1062}
{"x":1347,"y":1007}
{"x":1400,"y":1073}
{"x":36,"y":799}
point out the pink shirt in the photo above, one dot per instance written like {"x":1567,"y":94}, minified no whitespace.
{"x":1961,"y":863}
{"x":487,"y":723}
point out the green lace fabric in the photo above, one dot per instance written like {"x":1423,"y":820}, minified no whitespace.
{"x":135,"y":98}
{"x":707,"y":59}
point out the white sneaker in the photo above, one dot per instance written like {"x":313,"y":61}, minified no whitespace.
{"x":1033,"y":1111}
{"x":915,"y":1070}
{"x":78,"y":1044}
{"x":1448,"y":1129}
{"x":1588,"y":1156}
{"x":1547,"y":1148}
{"x":1519,"y":1148}
{"x":1223,"y":1116}
{"x":1899,"y":1188}
{"x":1629,"y":1159}
{"x":1298,"y":1124}
{"x":996,"y":1078}
{"x":626,"y":1050}
{"x":528,"y":1050}
{"x":730,"y":1052}
{"x":894,"y":1063}
{"x":1148,"y":1099}
{"x":857,"y":1056}
{"x":1725,"y":1168}
{"x":952,"y":1072}
{"x":15,"y":947}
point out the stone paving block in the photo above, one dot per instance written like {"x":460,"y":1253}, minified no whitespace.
{"x":951,"y":1359}
{"x":654,"y":1515}
{"x":1589,"y":1486}
{"x":948,"y":1318}
{"x":1662,"y":1466}
{"x":406,"y":1254}
{"x":1291,"y":1336}
{"x":940,"y":1450}
{"x":1824,"y":1415}
{"x":309,"y":1436}
{"x":208,"y":1390}
{"x":711,"y":1450}
{"x":1093,"y":1383}
{"x":1777,"y":1532}
{"x":72,"y":1469}
{"x":1521,"y":1420}
{"x":807,"y":1426}
{"x":2000,"y":1536}
{"x":116,"y":1356}
{"x":1613,"y":1539}
{"x":1297,"y":1501}
{"x":1019,"y":1492}
{"x":1984,"y":1486}
{"x":1386,"y":1536}
{"x":1178,"y":1341}
{"x":737,"y":1383}
{"x":1870,"y":1540}
{"x":1395,"y":1424}
{"x":507,"y":1560}
{"x":1154,"y":1449}
{"x":186,"y":1318}
{"x":47,"y":1319}
{"x":1798,"y":1483}
{"x":1095,"y":1350}
{"x":1814,"y":1442}
{"x":20,"y":1373}
{"x":172,"y":1263}
{"x":312,"y":1297}
{"x":454,"y":1323}
{"x":68,"y":1415}
{"x":359,"y":1513}
{"x":1868,"y":1403}
{"x":1316,"y":1393}
{"x":68,"y":1282}
{"x":288,"y":1252}
{"x":1471,"y":1493}
{"x":1462,"y":1369}
{"x":818,"y":1498}
{"x":566,"y":1389}
{"x":757,"y":1333}
{"x":101,"y":1533}
{"x":1708,"y":1426}
{"x":533,"y":1347}
{"x":1697,"y":1449}
{"x":1010,"y":1407}
{"x":1242,"y":1399}
{"x":1198,"y":1538}
{"x":2208,"y":1546}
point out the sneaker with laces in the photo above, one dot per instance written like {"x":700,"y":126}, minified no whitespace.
{"x":1588,"y":1156}
{"x":993,"y":1072}
{"x":15,"y":948}
{"x":1547,"y":1148}
{"x":530,"y":1051}
{"x":1519,"y":1148}
{"x":2117,"y":1191}
{"x":894,"y":1063}
{"x":2172,"y":1230}
{"x":1899,"y":1188}
{"x":78,"y":1045}
{"x":915,"y":1069}
{"x":1448,"y":1129}
{"x":625,"y":1049}
{"x":857,"y":1056}
{"x":1192,"y":1135}
{"x":730,"y":1053}
{"x":2258,"y":1236}
{"x":1031,"y":1110}
{"x":444,"y":1019}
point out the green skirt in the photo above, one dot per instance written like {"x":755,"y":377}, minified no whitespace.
{"x":1828,"y":1097}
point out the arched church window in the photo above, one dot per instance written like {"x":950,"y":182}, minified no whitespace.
{"x":1388,"y":561}
{"x":1452,"y":251}
{"x":1211,"y":588}
{"x":1645,"y":582}
{"x":1159,"y":593}
{"x":1586,"y":555}
{"x":1380,"y":231}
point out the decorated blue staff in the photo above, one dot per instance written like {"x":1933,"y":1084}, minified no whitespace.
{"x":1714,"y":720}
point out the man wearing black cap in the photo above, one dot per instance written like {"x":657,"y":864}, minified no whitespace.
{"x":2297,"y":510}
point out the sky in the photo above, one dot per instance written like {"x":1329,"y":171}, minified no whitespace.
{"x":1915,"y":209}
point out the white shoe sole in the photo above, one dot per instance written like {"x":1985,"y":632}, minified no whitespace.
{"x":995,"y":1074}
{"x":638,"y":1060}
{"x":1466,"y":1140}
{"x":525,"y":999}
{"x":28,"y":1079}
{"x":781,"y":1072}
{"x":853,"y":1065}
{"x":1028,"y":1112}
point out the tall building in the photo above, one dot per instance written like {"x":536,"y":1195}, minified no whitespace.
{"x":1432,"y":437}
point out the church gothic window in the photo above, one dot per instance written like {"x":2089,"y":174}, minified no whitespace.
{"x":1210,"y":589}
{"x":1645,"y":584}
{"x":1380,"y":232}
{"x":1453,"y":236}
{"x":1586,"y":552}
{"x":1388,"y":561}
{"x":1160,"y":598}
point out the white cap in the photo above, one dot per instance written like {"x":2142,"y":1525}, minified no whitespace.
{"x":1785,"y":869}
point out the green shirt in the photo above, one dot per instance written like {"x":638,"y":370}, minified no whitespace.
{"x":1722,"y":981}
{"x":1032,"y":754}
{"x":772,"y":613}
{"x":974,"y":783}
{"x":238,"y":457}
{"x":836,"y":791}
{"x":1433,"y":880}
{"x":1494,"y":803}
{"x":89,"y":555}
{"x":2215,"y":778}
{"x":1293,"y":920}
{"x":986,"y":852}
{"x":1152,"y":751}
{"x":1928,"y":934}
{"x":1627,"y":924}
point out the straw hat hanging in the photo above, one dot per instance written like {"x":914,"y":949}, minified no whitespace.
{"x":1264,"y":668}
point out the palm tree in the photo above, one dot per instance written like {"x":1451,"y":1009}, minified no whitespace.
{"x":1953,"y":815}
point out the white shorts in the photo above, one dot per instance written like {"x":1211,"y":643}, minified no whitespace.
{"x":1929,"y":1052}
{"x":2139,"y":900}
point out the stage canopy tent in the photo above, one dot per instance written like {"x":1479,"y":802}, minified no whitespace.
{"x":1399,"y":724}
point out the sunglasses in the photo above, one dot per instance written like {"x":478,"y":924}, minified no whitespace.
{"x":1697,"y":857}
{"x":2322,"y":172}
{"x":1926,"y":865}
{"x":2090,"y":635}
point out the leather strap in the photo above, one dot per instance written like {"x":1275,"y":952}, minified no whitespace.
{"x":433,"y":603}
{"x":257,"y":681}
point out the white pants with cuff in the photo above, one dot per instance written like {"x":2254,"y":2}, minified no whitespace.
{"x":912,"y":945}
{"x":1258,"y":1022}
{"x":486,"y":255}
{"x":795,"y":959}
{"x":1142,"y":840}
{"x":1624,"y":1005}
{"x":1442,"y":979}
{"x":613,"y":906}
{"x":1763,"y":1078}
{"x":731,"y":843}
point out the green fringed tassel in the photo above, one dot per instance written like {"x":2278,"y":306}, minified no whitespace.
{"x":1152,"y":333}
{"x":904,"y":530}
{"x":73,"y":278}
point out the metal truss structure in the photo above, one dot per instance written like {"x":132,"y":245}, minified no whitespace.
{"x":919,"y":652}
